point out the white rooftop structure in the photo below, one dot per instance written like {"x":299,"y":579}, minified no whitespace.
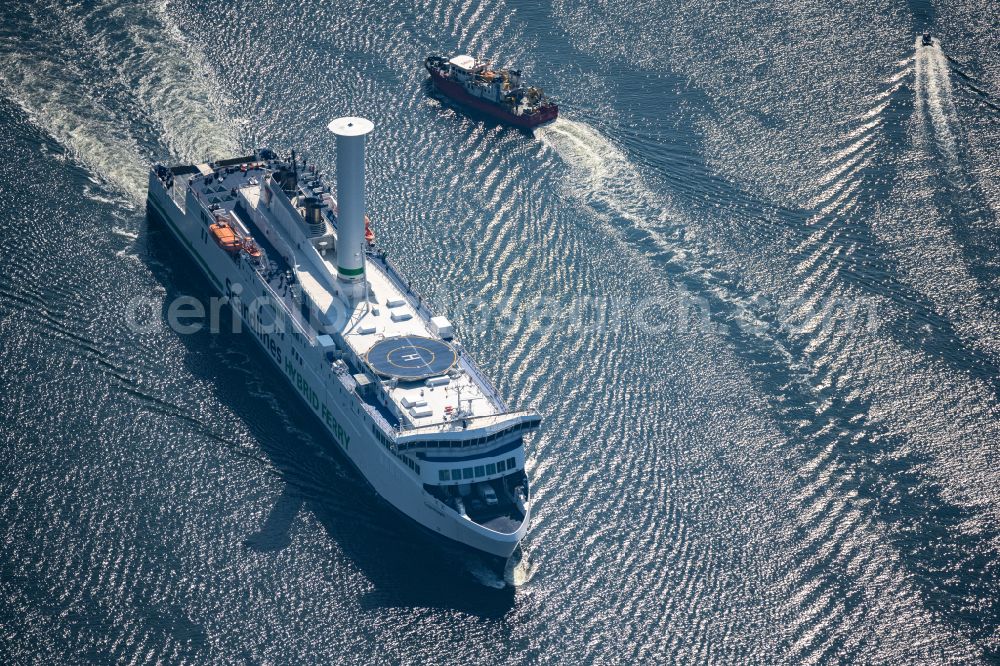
{"x":465,"y":62}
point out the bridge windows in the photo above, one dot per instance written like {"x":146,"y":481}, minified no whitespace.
{"x":480,"y":441}
{"x":457,"y":475}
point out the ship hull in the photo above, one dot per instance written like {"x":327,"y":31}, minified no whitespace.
{"x":350,"y":433}
{"x":456,"y":92}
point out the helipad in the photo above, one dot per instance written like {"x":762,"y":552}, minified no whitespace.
{"x":411,"y":357}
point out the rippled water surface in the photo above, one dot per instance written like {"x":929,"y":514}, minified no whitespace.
{"x":750,"y":277}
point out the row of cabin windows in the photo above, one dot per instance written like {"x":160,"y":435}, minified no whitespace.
{"x":382,"y":438}
{"x":468,"y":442}
{"x":388,"y":445}
{"x":409,"y":461}
{"x":465,"y":473}
{"x":419,"y":445}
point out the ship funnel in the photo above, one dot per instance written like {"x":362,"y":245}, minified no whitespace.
{"x":314,"y":216}
{"x":351,"y":134}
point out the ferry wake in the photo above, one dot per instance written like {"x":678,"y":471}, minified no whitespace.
{"x":388,"y":380}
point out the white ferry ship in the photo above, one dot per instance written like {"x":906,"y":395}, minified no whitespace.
{"x":388,"y":380}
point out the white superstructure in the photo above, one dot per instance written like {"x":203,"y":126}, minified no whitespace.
{"x":388,"y":379}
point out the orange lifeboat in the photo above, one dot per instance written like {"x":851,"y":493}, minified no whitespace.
{"x":225,"y":237}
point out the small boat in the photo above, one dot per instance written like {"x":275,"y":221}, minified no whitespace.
{"x":495,"y":92}
{"x":927,"y":40}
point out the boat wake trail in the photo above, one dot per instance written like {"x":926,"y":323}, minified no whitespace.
{"x":517,"y":571}
{"x":603,"y":177}
{"x":934,"y":100}
{"x":941,"y":223}
{"x":119,"y":88}
{"x":83,"y":126}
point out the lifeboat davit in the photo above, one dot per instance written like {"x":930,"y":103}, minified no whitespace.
{"x":251,"y":248}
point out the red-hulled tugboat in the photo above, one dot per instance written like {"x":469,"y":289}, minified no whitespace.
{"x":496,"y":92}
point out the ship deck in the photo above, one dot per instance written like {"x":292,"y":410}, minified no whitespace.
{"x":459,"y":396}
{"x":394,"y":311}
{"x":277,"y":273}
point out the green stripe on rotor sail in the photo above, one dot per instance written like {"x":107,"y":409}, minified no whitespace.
{"x":350,"y":271}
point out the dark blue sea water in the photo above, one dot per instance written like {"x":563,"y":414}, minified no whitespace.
{"x":750,"y":277}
